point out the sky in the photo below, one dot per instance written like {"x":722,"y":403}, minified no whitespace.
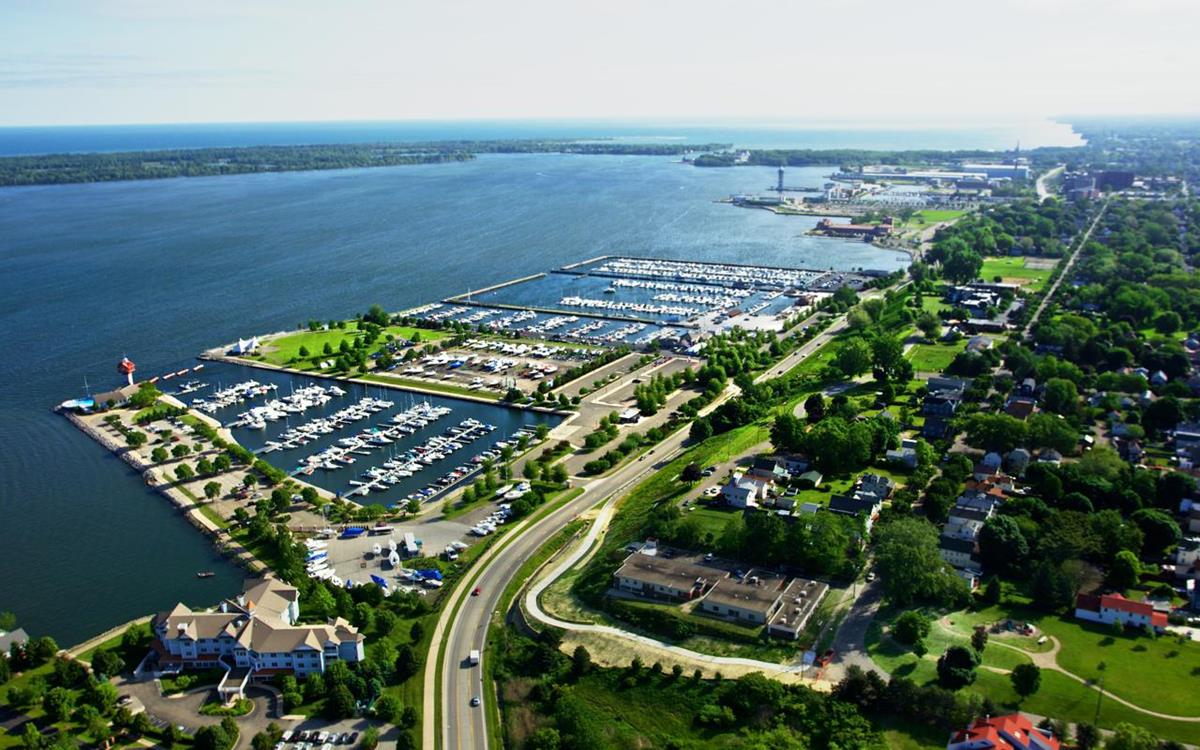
{"x":156,"y":61}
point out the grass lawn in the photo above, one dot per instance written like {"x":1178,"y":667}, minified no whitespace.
{"x":282,"y":350}
{"x":925,"y":217}
{"x":1128,"y":660}
{"x":1012,"y":269}
{"x":934,"y":357}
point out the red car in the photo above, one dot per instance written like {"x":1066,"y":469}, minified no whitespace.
{"x":475,"y":592}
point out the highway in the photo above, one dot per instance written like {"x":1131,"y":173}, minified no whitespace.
{"x":463,"y":725}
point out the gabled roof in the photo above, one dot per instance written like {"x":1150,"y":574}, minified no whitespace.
{"x":1010,"y":732}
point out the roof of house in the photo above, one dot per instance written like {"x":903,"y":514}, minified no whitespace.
{"x":1009,"y":732}
{"x":256,"y":621}
{"x":1119,"y":603}
{"x":955,"y":544}
{"x":13,"y":636}
{"x":853,"y":505}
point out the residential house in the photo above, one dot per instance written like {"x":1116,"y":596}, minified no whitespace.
{"x":865,"y":507}
{"x":744,"y":492}
{"x":1016,"y":460}
{"x":1020,"y":407}
{"x":1049,"y":456}
{"x":979,"y":344}
{"x":1114,"y":608}
{"x":253,"y":635}
{"x":906,"y":457}
{"x":1187,"y":558}
{"x":12,"y":638}
{"x":1008,"y":732}
{"x":874,"y":485}
{"x":768,"y":470}
{"x":960,"y":536}
{"x":1027,"y":388}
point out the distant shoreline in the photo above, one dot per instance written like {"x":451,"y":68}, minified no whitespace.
{"x":123,"y":166}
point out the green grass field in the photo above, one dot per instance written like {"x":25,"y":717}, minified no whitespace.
{"x":1012,"y":269}
{"x":1128,"y":659}
{"x":934,"y":357}
{"x":922,"y":219}
{"x":285,"y":349}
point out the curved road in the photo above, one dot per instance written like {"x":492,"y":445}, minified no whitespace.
{"x":463,"y":725}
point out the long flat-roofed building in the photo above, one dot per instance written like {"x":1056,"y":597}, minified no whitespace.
{"x":663,"y":577}
{"x":755,"y":598}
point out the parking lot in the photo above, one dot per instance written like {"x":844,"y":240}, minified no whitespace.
{"x":486,"y":364}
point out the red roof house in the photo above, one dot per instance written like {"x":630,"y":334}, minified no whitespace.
{"x":1010,"y":732}
{"x":1110,"y":608}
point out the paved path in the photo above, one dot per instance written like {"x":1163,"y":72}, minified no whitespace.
{"x":1066,"y":269}
{"x":1049,"y":660}
{"x":1043,"y":192}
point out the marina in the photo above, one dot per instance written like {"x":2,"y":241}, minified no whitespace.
{"x":372,"y":444}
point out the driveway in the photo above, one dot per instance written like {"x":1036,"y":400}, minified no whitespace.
{"x":850,"y":643}
{"x":184,"y":710}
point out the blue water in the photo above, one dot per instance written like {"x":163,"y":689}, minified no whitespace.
{"x":161,"y":270}
{"x":895,"y":135}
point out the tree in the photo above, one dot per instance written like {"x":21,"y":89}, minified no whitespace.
{"x":929,"y":325}
{"x":979,"y":639}
{"x":887,"y":359}
{"x":581,"y":661}
{"x":340,"y":703}
{"x":268,"y":738}
{"x":388,"y":709}
{"x":212,"y":490}
{"x":956,"y":667}
{"x":1125,"y":570}
{"x":407,"y":662}
{"x":107,"y":662}
{"x":1087,"y":736}
{"x":1002,"y":546}
{"x":1026,"y":679}
{"x":546,"y":738}
{"x":995,"y":432}
{"x":1129,"y":737}
{"x":1168,"y":322}
{"x":159,"y":454}
{"x":212,"y":737}
{"x":370,"y":739}
{"x":1159,"y":530}
{"x":962,"y":265}
{"x":911,"y":627}
{"x":58,"y":703}
{"x":853,"y":358}
{"x":183,"y":472}
{"x":911,"y":567}
{"x":814,"y":407}
{"x":1061,"y":396}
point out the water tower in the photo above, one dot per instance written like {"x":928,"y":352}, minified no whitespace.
{"x":126,"y":368}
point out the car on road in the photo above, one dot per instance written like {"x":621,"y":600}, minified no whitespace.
{"x":475,"y":701}
{"x":826,"y":658}
{"x":475,"y":592}
{"x":871,"y":577}
{"x":353,"y":737}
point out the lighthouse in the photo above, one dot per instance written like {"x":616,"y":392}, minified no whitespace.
{"x":126,"y":368}
{"x":779,"y":184}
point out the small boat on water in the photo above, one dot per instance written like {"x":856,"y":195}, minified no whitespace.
{"x":205,"y":574}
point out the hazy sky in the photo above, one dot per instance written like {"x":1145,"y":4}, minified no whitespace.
{"x":125,"y":61}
